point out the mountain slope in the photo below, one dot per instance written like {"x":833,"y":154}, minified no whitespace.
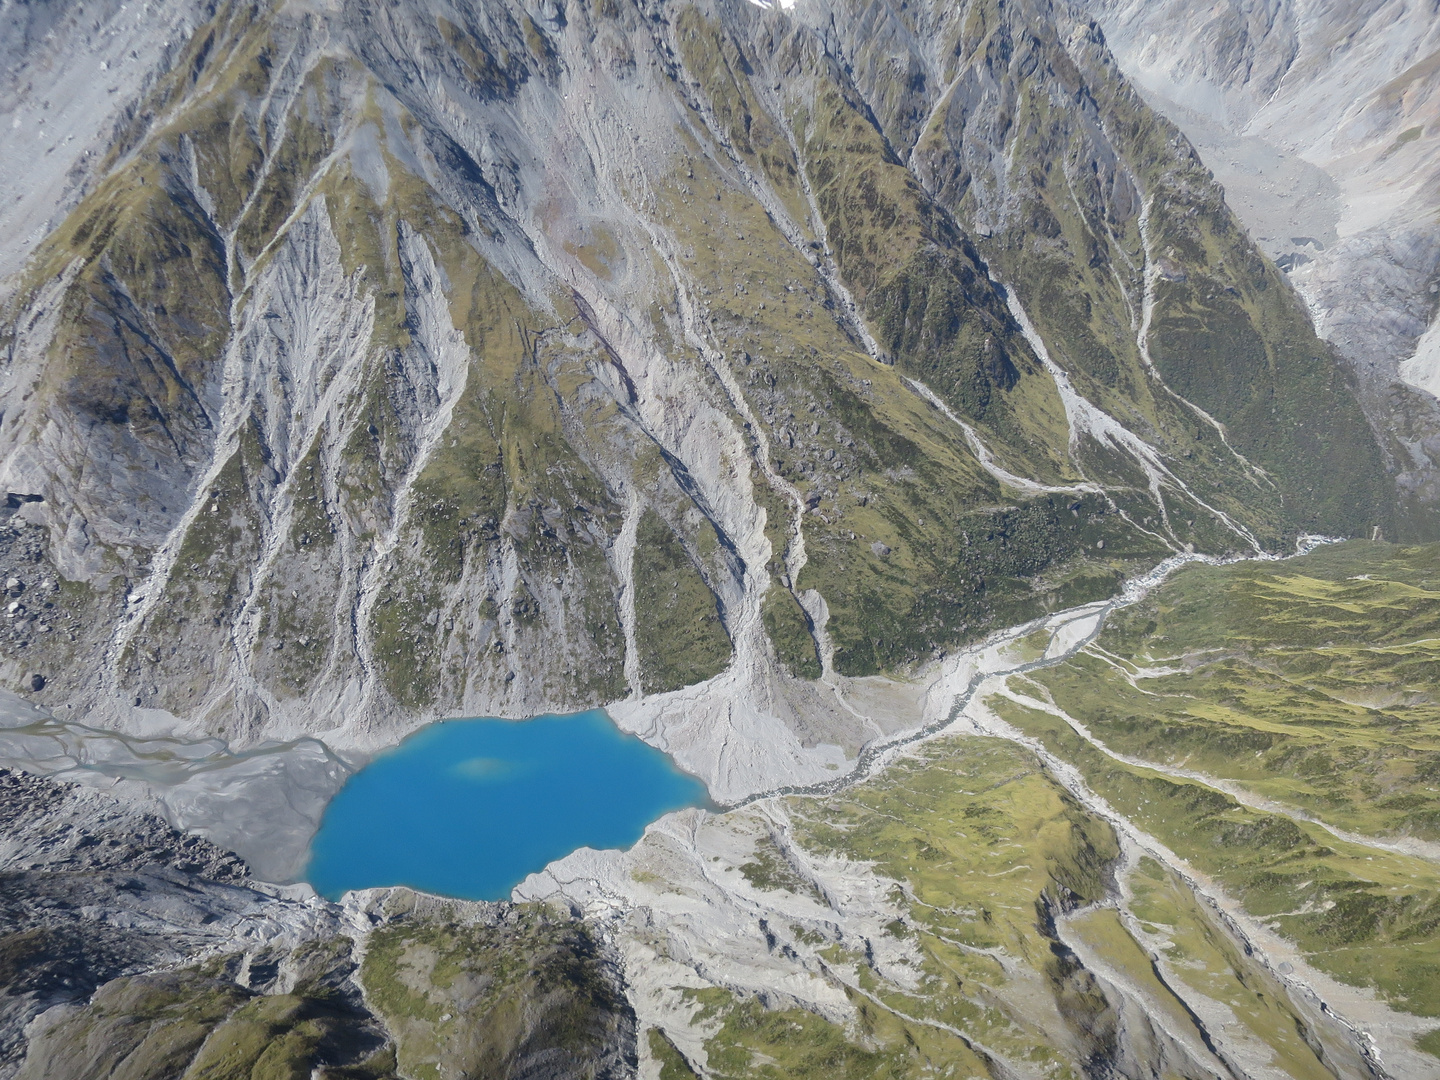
{"x":387,"y":341}
{"x":1319,"y":118}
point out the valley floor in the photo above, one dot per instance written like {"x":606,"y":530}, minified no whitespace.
{"x":1060,"y":865}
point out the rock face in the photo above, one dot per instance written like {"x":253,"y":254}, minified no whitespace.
{"x":127,"y":948}
{"x":1319,"y":119}
{"x":374,"y":350}
{"x":61,"y":828}
{"x":95,"y":889}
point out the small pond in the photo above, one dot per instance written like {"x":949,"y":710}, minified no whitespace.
{"x":468,"y":808}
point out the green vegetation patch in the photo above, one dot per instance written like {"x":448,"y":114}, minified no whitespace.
{"x":190,"y":1026}
{"x":176,"y":655}
{"x":1204,"y":957}
{"x":792,"y":1044}
{"x":1096,"y":209}
{"x":507,"y":450}
{"x":790,"y":633}
{"x":872,"y":460}
{"x":1311,"y":682}
{"x":768,"y":869}
{"x":678,"y":629}
{"x":673,"y":1065}
{"x":485,"y":1002}
{"x":982,"y":849}
{"x":724,"y":71}
{"x":297,"y":599}
{"x":952,"y":578}
{"x":1430,"y":1042}
{"x":1366,"y":916}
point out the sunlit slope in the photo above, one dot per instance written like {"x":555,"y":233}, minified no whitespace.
{"x":960,"y":913}
{"x":404,"y":361}
{"x":1146,"y":288}
{"x":1275,"y":726}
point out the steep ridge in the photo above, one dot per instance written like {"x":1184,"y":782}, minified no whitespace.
{"x":388,"y":341}
{"x":1106,"y":224}
{"x":1319,"y":118}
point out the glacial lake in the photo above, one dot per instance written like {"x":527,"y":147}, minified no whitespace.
{"x":468,"y":808}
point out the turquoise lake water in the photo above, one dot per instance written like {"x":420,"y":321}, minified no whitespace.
{"x":468,"y":808}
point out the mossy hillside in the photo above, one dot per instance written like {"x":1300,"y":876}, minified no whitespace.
{"x":190,"y":1026}
{"x":367,"y":224}
{"x":494,"y":51}
{"x":377,"y":449}
{"x":135,"y":356}
{"x":1103,"y":930}
{"x":255,"y":162}
{"x":673,"y":1065}
{"x":938,"y":317}
{"x":1170,"y":922}
{"x":765,"y":298}
{"x":297,"y":599}
{"x":221,"y":130}
{"x":1170,"y":947}
{"x":295,"y":152}
{"x":770,"y":869}
{"x":1068,"y":259}
{"x":981,"y":845}
{"x":921,"y":285}
{"x":1310,"y":682}
{"x":510,"y":444}
{"x":285,"y":1036}
{"x":1366,"y":916}
{"x":1070,"y":243}
{"x":870,"y":456}
{"x":1231,"y":335}
{"x":1068,"y":249}
{"x":208,"y":108}
{"x":482,"y":1002}
{"x":152,"y":1026}
{"x":898,"y":89}
{"x":867,"y":413}
{"x":789,"y":630}
{"x":954,"y":577}
{"x":1300,"y":421}
{"x":711,"y":552}
{"x":1183,"y":518}
{"x":1430,"y":1043}
{"x":780,"y":1044}
{"x":725,"y":74}
{"x":150,"y":301}
{"x":214,"y":87}
{"x":679,"y":631}
{"x":507,"y":456}
{"x":1218,"y":970}
{"x":1240,"y":326}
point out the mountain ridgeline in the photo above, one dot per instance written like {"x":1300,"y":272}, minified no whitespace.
{"x":393,"y":361}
